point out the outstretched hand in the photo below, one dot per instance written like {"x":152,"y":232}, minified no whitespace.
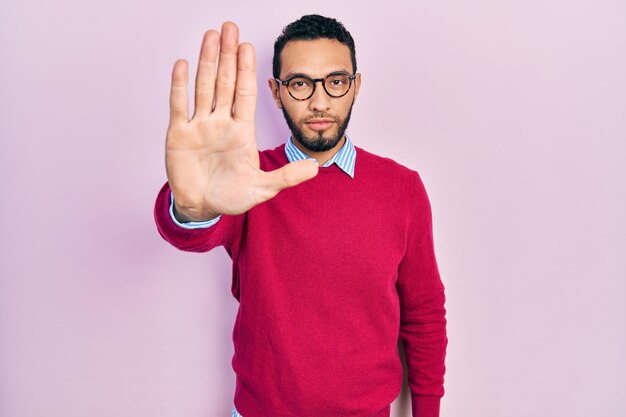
{"x":212,"y":160}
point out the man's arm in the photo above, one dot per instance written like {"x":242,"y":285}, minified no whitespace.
{"x":212,"y":159}
{"x":422,"y":299}
{"x":225,"y":232}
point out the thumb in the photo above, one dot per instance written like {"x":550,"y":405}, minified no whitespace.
{"x":289,"y":175}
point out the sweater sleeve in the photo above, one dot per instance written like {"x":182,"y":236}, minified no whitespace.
{"x":422,"y":311}
{"x":225,"y":232}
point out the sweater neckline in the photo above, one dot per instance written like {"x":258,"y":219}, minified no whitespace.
{"x":333,"y":168}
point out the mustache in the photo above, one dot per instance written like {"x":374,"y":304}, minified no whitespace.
{"x":320,"y":116}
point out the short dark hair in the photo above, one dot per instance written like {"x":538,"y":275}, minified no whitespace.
{"x":312,"y":27}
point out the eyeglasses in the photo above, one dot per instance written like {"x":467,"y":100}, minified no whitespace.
{"x":302,"y":87}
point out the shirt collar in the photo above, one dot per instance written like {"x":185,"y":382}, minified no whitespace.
{"x":345,"y":158}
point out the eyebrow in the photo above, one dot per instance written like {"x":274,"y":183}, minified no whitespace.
{"x":300,"y":74}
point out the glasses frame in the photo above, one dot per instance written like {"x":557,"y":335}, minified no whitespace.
{"x":351,"y":78}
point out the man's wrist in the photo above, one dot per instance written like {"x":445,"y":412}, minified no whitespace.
{"x":185,"y":216}
{"x":190,"y":224}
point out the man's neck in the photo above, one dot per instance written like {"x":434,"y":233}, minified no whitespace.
{"x":321,"y":157}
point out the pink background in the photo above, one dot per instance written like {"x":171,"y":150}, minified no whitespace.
{"x":514,"y":113}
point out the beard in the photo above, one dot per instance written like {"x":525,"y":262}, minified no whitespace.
{"x":318,"y":142}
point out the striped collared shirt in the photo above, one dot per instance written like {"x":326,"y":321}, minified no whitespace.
{"x":345,"y":159}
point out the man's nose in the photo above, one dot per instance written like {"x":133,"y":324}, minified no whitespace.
{"x":319,"y":101}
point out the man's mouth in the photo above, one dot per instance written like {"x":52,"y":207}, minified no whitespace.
{"x":320,"y":124}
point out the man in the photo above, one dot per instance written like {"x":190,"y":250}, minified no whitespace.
{"x":332,"y":246}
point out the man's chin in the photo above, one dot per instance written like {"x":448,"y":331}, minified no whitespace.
{"x":325,"y":137}
{"x":319,"y":145}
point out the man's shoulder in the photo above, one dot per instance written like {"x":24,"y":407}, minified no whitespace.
{"x":382,"y":165}
{"x":404,"y":183}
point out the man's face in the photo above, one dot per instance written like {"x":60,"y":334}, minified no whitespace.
{"x":318,"y":123}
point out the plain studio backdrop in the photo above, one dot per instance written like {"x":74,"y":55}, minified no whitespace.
{"x":514,"y":114}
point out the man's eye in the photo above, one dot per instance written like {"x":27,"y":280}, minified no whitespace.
{"x":337,"y":82}
{"x":299,"y":84}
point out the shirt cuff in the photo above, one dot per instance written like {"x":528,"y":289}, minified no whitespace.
{"x":190,"y":225}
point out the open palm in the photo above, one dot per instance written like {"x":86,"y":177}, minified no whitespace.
{"x":212,"y":160}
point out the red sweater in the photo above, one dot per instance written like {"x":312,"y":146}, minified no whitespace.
{"x":328,"y":275}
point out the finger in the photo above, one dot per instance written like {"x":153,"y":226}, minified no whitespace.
{"x":292,"y":174}
{"x":246,"y":88}
{"x":205,"y":77}
{"x":179,"y":102}
{"x":227,"y":68}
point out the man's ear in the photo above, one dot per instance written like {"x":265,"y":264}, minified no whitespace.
{"x":273,"y":85}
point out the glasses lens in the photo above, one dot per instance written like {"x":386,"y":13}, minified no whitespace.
{"x":300,"y":87}
{"x":337,"y":84}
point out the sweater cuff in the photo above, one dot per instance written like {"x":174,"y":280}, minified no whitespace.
{"x":425,"y":405}
{"x":191,"y":225}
